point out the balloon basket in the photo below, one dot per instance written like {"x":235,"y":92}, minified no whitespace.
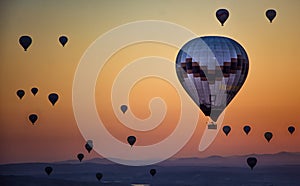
{"x":212,"y":126}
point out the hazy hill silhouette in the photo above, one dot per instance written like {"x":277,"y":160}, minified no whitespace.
{"x":277,"y":169}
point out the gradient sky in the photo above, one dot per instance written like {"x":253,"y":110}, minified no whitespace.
{"x":268,"y":101}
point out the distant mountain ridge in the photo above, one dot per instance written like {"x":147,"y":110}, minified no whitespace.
{"x":281,"y":158}
{"x":272,"y":169}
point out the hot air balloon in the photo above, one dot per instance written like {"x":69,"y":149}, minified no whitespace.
{"x":212,"y":69}
{"x":153,"y":172}
{"x":34,"y":90}
{"x":20,"y":93}
{"x":63,"y":40}
{"x":271,"y":14}
{"x":251,"y":161}
{"x":48,"y":170}
{"x":268,"y":136}
{"x":222,"y":15}
{"x":226,"y":129}
{"x":80,"y":156}
{"x":53,"y":97}
{"x":89,"y":145}
{"x":291,"y":129}
{"x":247,"y":129}
{"x":25,"y":42}
{"x":33,"y":118}
{"x":99,"y":176}
{"x":131,"y":140}
{"x":124,"y":108}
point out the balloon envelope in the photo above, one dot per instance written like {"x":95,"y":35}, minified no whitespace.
{"x":90,"y":142}
{"x":53,"y":97}
{"x":34,"y":90}
{"x":271,"y":14}
{"x":88,"y":147}
{"x":99,"y":176}
{"x":153,"y":172}
{"x":48,"y":170}
{"x":25,"y":42}
{"x":33,"y":118}
{"x":291,"y":129}
{"x":268,"y":136}
{"x":131,"y":140}
{"x":212,"y":69}
{"x":20,"y":93}
{"x":80,"y":156}
{"x":226,"y":129}
{"x":251,"y":161}
{"x":222,"y":15}
{"x":124,"y":108}
{"x":63,"y":40}
{"x":247,"y":129}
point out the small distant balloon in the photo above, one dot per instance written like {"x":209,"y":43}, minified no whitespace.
{"x":53,"y":97}
{"x":34,"y":90}
{"x":63,"y":40}
{"x":251,"y":161}
{"x":268,"y":136}
{"x":131,"y":140}
{"x":247,"y":129}
{"x":20,"y":93}
{"x":153,"y":172}
{"x":222,"y":15}
{"x":33,"y":118}
{"x":25,"y":42}
{"x":48,"y":170}
{"x":271,"y":14}
{"x":80,"y":156}
{"x":226,"y":129}
{"x":89,"y":145}
{"x":99,"y":176}
{"x":291,"y":129}
{"x":124,"y":108}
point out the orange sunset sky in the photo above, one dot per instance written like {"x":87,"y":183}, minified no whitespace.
{"x":268,"y":101}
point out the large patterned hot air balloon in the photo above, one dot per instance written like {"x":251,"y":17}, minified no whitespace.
{"x":212,"y":70}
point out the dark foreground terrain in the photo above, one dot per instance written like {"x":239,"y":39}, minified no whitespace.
{"x":180,"y":172}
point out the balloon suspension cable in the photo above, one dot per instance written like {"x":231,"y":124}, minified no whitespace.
{"x":211,"y":122}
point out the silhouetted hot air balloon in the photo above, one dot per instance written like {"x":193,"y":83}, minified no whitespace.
{"x":20,"y":93}
{"x":63,"y":40}
{"x":212,"y":69}
{"x":226,"y":129}
{"x":48,"y":170}
{"x":131,"y":140}
{"x":25,"y":42}
{"x":124,"y":108}
{"x":34,"y":90}
{"x":251,"y":162}
{"x":271,"y":14}
{"x":247,"y":129}
{"x":291,"y":129}
{"x":99,"y":176}
{"x":153,"y":172}
{"x":33,"y":118}
{"x":222,"y":15}
{"x":89,"y":145}
{"x":80,"y":156}
{"x":268,"y":136}
{"x":53,"y":97}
